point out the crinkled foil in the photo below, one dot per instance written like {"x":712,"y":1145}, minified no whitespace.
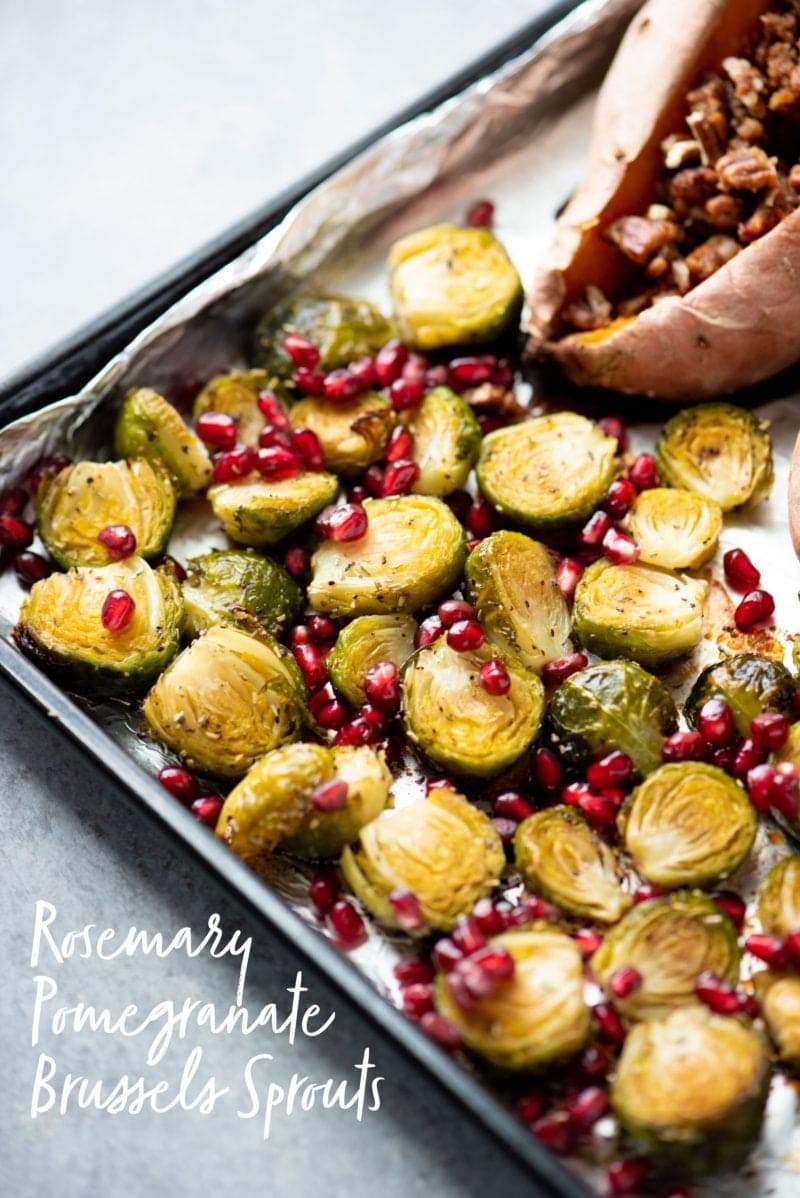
{"x":520,"y":137}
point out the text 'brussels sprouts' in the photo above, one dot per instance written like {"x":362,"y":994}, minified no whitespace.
{"x":456,"y":722}
{"x":748,"y":683}
{"x":720,"y":451}
{"x":548,"y":471}
{"x":149,"y":427}
{"x":238,"y":586}
{"x":260,"y":512}
{"x":441,"y":849}
{"x":453,"y":286}
{"x":342,"y":329}
{"x":539,"y":1016}
{"x":413,"y":551}
{"x":779,"y":898}
{"x":688,"y":824}
{"x":226,"y":700}
{"x":446,"y":441}
{"x":780,"y":1005}
{"x":61,"y":626}
{"x":674,"y":528}
{"x":649,"y":615}
{"x":363,"y":643}
{"x":352,"y":435}
{"x":236,"y":395}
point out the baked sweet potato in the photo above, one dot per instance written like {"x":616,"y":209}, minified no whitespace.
{"x":742,"y":322}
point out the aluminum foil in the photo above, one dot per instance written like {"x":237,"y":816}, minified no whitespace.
{"x":520,"y":137}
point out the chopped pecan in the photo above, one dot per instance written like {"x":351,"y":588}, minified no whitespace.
{"x":747,"y":169}
{"x":723,"y":211}
{"x":710,"y":133}
{"x":748,"y":82}
{"x":794,"y":177}
{"x":678,"y":150}
{"x":781,"y":61}
{"x":640,"y":239}
{"x":706,"y":259}
{"x":501,"y":400}
{"x":693,"y":185}
{"x":762,"y":220}
{"x":591,"y":311}
{"x":749,"y":129}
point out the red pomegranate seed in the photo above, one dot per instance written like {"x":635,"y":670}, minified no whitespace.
{"x":296,"y":561}
{"x":233,"y":464}
{"x":389,"y":362}
{"x":560,"y":668}
{"x":398,"y":478}
{"x":324,"y":890}
{"x":382,"y":685}
{"x":358,"y":731}
{"x":546,"y":769}
{"x":412,"y":970}
{"x":511,"y":806}
{"x":13,"y":502}
{"x":270,"y":436}
{"x":465,"y":636}
{"x":441,"y":1031}
{"x":595,"y":529}
{"x":624,"y":981}
{"x":467,"y":985}
{"x":554,"y":1133}
{"x":364,"y":371}
{"x":333,"y":715}
{"x":373,"y":480}
{"x":770,"y":729}
{"x":530,"y":1106}
{"x":435,"y":377}
{"x":595,"y":1061}
{"x":118,"y":609}
{"x":270,"y":406}
{"x":312,"y":667}
{"x":793,"y":948}
{"x":342,"y":386}
{"x":471,"y":372}
{"x":401,"y":445}
{"x":625,"y":1175}
{"x":217,"y":429}
{"x":600,"y":811}
{"x":376,"y":716}
{"x":646,"y":892}
{"x":46,"y":469}
{"x":769,"y":949}
{"x":748,"y":1004}
{"x":573,"y":792}
{"x":441,"y":783}
{"x":319,"y":629}
{"x":344,"y":522}
{"x":643,"y":473}
{"x":684,"y":746}
{"x":619,"y":548}
{"x":305,"y":444}
{"x":481,"y":215}
{"x":330,"y":796}
{"x":495,"y":963}
{"x":300,"y":350}
{"x":275,"y":462}
{"x":753,"y":609}
{"x":568,"y":575}
{"x":716,"y":722}
{"x":480,"y":519}
{"x":417,"y":999}
{"x":180,"y":783}
{"x":346,"y":923}
{"x":406,"y":394}
{"x":715,"y":992}
{"x":609,"y":1024}
{"x":740,"y":571}
{"x":747,"y":756}
{"x":406,"y":910}
{"x":453,"y":610}
{"x":206,"y":809}
{"x":613,"y":426}
{"x":467,"y":935}
{"x":309,"y":381}
{"x":588,"y":941}
{"x":429,"y":631}
{"x":494,"y":677}
{"x":587,"y":1107}
{"x":446,"y":954}
{"x":614,"y":795}
{"x":488,"y":918}
{"x":721,"y":758}
{"x":610,"y":770}
{"x":619,"y":499}
{"x":14,"y":533}
{"x":323,"y":695}
{"x":786,"y":791}
{"x":119,"y":540}
{"x":732,"y":906}
{"x":31,"y":567}
{"x":503,"y":375}
{"x":416,"y":368}
{"x":760,"y":783}
{"x":529,"y":909}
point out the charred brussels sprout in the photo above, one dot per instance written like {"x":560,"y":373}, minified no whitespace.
{"x":82,"y":500}
{"x":720,"y":451}
{"x":149,"y":427}
{"x":539,"y":1016}
{"x":446,"y":441}
{"x":779,"y":898}
{"x":640,"y":612}
{"x":238,"y":586}
{"x":561,"y":857}
{"x":352,"y":435}
{"x":671,"y":941}
{"x":236,"y":395}
{"x":413,"y":551}
{"x":748,"y":683}
{"x":612,"y":705}
{"x":326,"y":834}
{"x":227,"y":700}
{"x":456,"y":722}
{"x":364,"y":642}
{"x":690,"y":1090}
{"x":780,"y":1006}
{"x":256,"y":511}
{"x":674,"y":528}
{"x":441,"y":849}
{"x":688,"y":824}
{"x":453,"y":286}
{"x":61,"y":626}
{"x":511,"y":580}
{"x":548,"y":471}
{"x":342,"y":330}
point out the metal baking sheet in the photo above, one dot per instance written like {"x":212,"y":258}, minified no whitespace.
{"x":518,"y":136}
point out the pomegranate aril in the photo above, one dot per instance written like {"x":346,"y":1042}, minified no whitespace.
{"x":554,"y":1132}
{"x":546,"y":769}
{"x":401,"y":445}
{"x":309,"y":381}
{"x":333,"y":715}
{"x":793,"y":948}
{"x":619,"y":548}
{"x":319,"y":629}
{"x":446,"y":954}
{"x":595,"y":1061}
{"x":389,"y":362}
{"x":330,"y":796}
{"x":358,"y":731}
{"x":748,"y":1004}
{"x":324,"y":890}
{"x":346,"y":923}
{"x":488,"y":918}
{"x":305,"y":444}
{"x":429,"y":631}
{"x":465,"y":636}
{"x":771,"y":950}
{"x":610,"y":770}
{"x":344,"y":522}
{"x":382,"y":685}
{"x":398,"y":478}
{"x":300,"y":350}
{"x":440,"y":1030}
{"x":275,"y":462}
{"x":436,"y":376}
{"x":624,"y":1176}
{"x":568,"y":575}
{"x":270,"y":406}
{"x":560,"y":668}
{"x":746,"y":757}
{"x":467,"y":987}
{"x":624,"y":981}
{"x":786,"y":791}
{"x":180,"y":782}
{"x":732,"y":906}
{"x":415,"y":369}
{"x":46,"y":469}
{"x":530,"y":1107}
{"x":646,"y":892}
{"x":600,"y":811}
{"x":503,"y":374}
{"x":643,"y":473}
{"x":756,"y":607}
{"x":496,"y":963}
{"x":406,"y":909}
{"x":217,"y":429}
{"x":684,"y":746}
{"x":453,"y":610}
{"x":441,"y":783}
{"x":341,"y":386}
{"x":619,"y":498}
{"x":467,"y":935}
{"x":589,"y":1106}
{"x":119,"y":540}
{"x":588,"y":941}
{"x":613,"y":426}
{"x":717,"y":994}
{"x":206,"y":809}
{"x":412,"y":970}
{"x":117,"y":612}
{"x":529,"y":909}
{"x":595,"y":529}
{"x":609,"y":1024}
{"x":494,"y":677}
{"x":417,"y":999}
{"x":312,"y":667}
{"x":270,"y":436}
{"x":573,"y":792}
{"x":511,"y":806}
{"x":364,"y":371}
{"x":740,"y":571}
{"x":296,"y":561}
{"x":406,"y":394}
{"x":471,"y":372}
{"x":374,"y":715}
{"x":31,"y":567}
{"x":770,"y":729}
{"x":14,"y":533}
{"x":480,"y":519}
{"x":233,"y":464}
{"x":716,"y":723}
{"x":13,"y":502}
{"x":481,"y":215}
{"x":760,"y":782}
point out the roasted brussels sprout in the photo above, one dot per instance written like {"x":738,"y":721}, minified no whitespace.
{"x":780,"y":1006}
{"x":688,"y":824}
{"x":456,"y":722}
{"x":238,"y":586}
{"x":236,"y":395}
{"x":447,"y":438}
{"x":412,"y":552}
{"x":511,"y":580}
{"x":352,"y":435}
{"x":690,"y":1090}
{"x":82,"y":500}
{"x":326,"y":834}
{"x":560,"y":856}
{"x":256,"y":511}
{"x":61,"y":626}
{"x":720,"y":451}
{"x":227,"y":700}
{"x":453,"y":286}
{"x":149,"y":427}
{"x":779,"y":898}
{"x":612,"y":705}
{"x":548,"y":471}
{"x":640,"y":612}
{"x":670,"y":941}
{"x":674,"y":528}
{"x":748,"y":683}
{"x":441,"y":849}
{"x":539,"y":1016}
{"x":342,"y":330}
{"x":363,"y":643}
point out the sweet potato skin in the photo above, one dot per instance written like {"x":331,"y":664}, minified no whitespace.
{"x":794,"y":496}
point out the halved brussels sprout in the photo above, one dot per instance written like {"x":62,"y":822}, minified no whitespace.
{"x":641,"y":612}
{"x":363,"y":643}
{"x":720,"y":451}
{"x":352,"y":435}
{"x":447,"y":438}
{"x":61,"y":626}
{"x":561,"y":857}
{"x":511,"y":580}
{"x":688,"y":824}
{"x":82,"y":500}
{"x":149,"y":427}
{"x":227,"y":700}
{"x":413,"y":551}
{"x":456,"y":722}
{"x":342,"y":329}
{"x":238,"y":586}
{"x":549,"y":471}
{"x":748,"y":683}
{"x":671,"y":941}
{"x":272,"y":805}
{"x":453,"y":286}
{"x":236,"y":394}
{"x":255,"y":511}
{"x":612,"y":705}
{"x":441,"y":849}
{"x":690,"y":1090}
{"x":780,"y":1006}
{"x":779,"y":898}
{"x":539,"y":1016}
{"x":674,"y":528}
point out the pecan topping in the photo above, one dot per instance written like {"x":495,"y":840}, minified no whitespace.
{"x":707,"y":258}
{"x":747,"y":169}
{"x":640,"y":239}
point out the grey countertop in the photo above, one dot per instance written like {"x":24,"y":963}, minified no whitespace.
{"x":130,"y":133}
